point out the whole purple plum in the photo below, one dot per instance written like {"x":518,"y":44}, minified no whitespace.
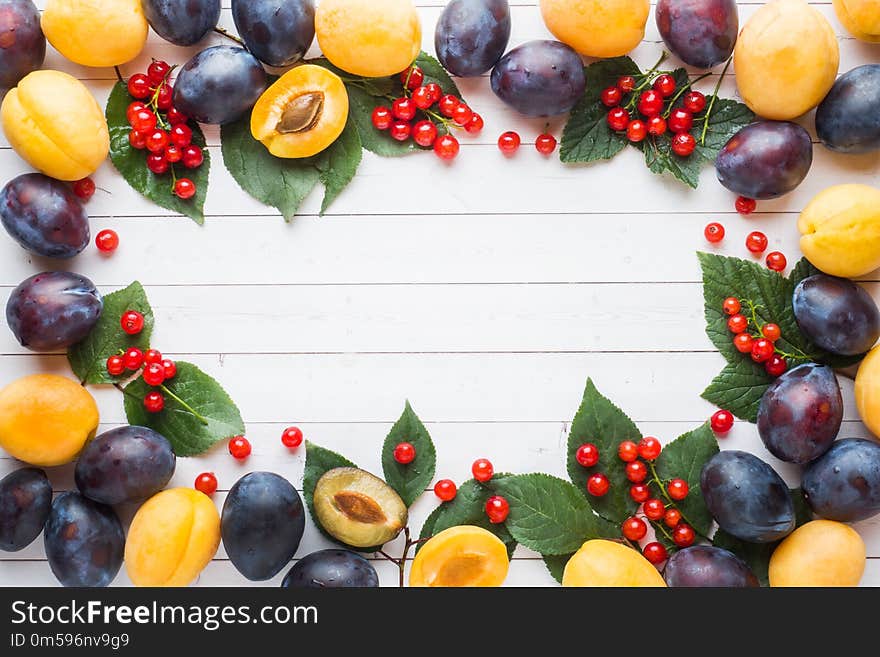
{"x":844,"y":484}
{"x":701,"y":33}
{"x":472,"y":35}
{"x":22,"y":44}
{"x":707,"y":566}
{"x":836,"y":314}
{"x":25,"y":499}
{"x":278,"y":32}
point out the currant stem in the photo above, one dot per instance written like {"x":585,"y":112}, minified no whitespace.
{"x":712,"y":103}
{"x":186,"y":406}
{"x":665,"y":493}
{"x":681,"y":91}
{"x":229,"y":35}
{"x":118,"y":74}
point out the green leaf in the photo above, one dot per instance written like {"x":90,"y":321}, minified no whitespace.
{"x":556,"y":564}
{"x":360,"y":110}
{"x":188,"y":434}
{"x":684,"y":458}
{"x":547,"y":514}
{"x":434,"y":72}
{"x":600,"y":422}
{"x":132,"y":163}
{"x":88,"y":359}
{"x":738,"y":388}
{"x":339,"y":163}
{"x":319,"y":461}
{"x":409,"y":480}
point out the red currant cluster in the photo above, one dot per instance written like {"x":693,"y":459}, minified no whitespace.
{"x":762,"y":343}
{"x":756,"y":243}
{"x":158,"y":127}
{"x":418,"y":102}
{"x":645,"y":105}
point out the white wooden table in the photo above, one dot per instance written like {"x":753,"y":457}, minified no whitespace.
{"x":485,"y":292}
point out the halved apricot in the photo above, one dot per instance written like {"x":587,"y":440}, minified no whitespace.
{"x":461,"y":556}
{"x":302,"y":113}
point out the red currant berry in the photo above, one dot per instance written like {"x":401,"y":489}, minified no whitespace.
{"x":626,"y":83}
{"x":656,"y":126}
{"x":639,"y":493}
{"x":132,"y":322}
{"x":154,"y":402}
{"x":776,"y":261}
{"x":137,"y":139}
{"x":545,"y":144}
{"x":181,"y":135}
{"x":143,"y":121}
{"x":412,"y":77}
{"x":683,"y":144}
{"x":404,"y":453}
{"x":664,"y":85}
{"x":737,"y":324}
{"x":193,"y":157}
{"x":756,"y":242}
{"x":743,"y":343}
{"x":649,"y":448}
{"x":721,"y":422}
{"x":154,"y":374}
{"x":435,"y":90}
{"x":176,"y":117}
{"x":152,"y":356}
{"x":424,"y":133}
{"x":185,"y":188}
{"x":618,"y":119}
{"x":497,"y":508}
{"x":133,"y":108}
{"x":447,"y":105}
{"x":611,"y":96}
{"x":157,"y":140}
{"x":627,"y":451}
{"x":206,"y":483}
{"x":133,"y":359}
{"x":672,"y":517}
{"x":731,"y":306}
{"x":636,"y":472}
{"x":84,"y":189}
{"x":694,"y":102}
{"x":776,"y":366}
{"x":655,"y":553}
{"x":172,"y":154}
{"x":598,"y":485}
{"x":164,"y":97}
{"x":401,"y":130}
{"x":509,"y":142}
{"x":107,"y":241}
{"x":677,"y":489}
{"x":423,"y":98}
{"x":637,"y":130}
{"x":762,"y":350}
{"x":714,"y":233}
{"x":382,"y":118}
{"x":170,"y":368}
{"x":446,"y":147}
{"x":650,"y":103}
{"x":292,"y":437}
{"x":587,"y":455}
{"x":139,"y":86}
{"x":403,"y":109}
{"x":157,"y":163}
{"x":772,"y":332}
{"x":462,"y":115}
{"x":683,"y":535}
{"x":680,"y":120}
{"x":240,"y":447}
{"x":634,"y":528}
{"x":115,"y":365}
{"x":157,"y":71}
{"x":654,"y":509}
{"x":475,"y":125}
{"x":482,"y":470}
{"x":745,"y":205}
{"x":446,"y":490}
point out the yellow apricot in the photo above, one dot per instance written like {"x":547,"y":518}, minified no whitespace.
{"x":96,"y":32}
{"x":46,"y":420}
{"x":867,"y":391}
{"x":840,"y":230}
{"x":819,"y":553}
{"x":786,"y":59}
{"x":606,"y":563}
{"x":54,"y":122}
{"x":597,"y":28}
{"x":370,"y":38}
{"x":173,"y":536}
{"x":461,"y":556}
{"x":861,"y":18}
{"x":302,"y":113}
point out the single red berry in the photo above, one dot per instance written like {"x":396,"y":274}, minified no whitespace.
{"x":157,"y":163}
{"x":649,"y":448}
{"x":587,"y":455}
{"x":626,"y":83}
{"x":193,"y":157}
{"x":173,"y":154}
{"x":656,"y":126}
{"x":654,"y":509}
{"x":206,"y":483}
{"x":107,"y":241}
{"x":776,"y":261}
{"x":423,"y":98}
{"x":636,"y":472}
{"x":509,"y":142}
{"x":143,"y":121}
{"x":84,"y":188}
{"x":292,"y":437}
{"x":639,"y":493}
{"x":680,"y":120}
{"x":731,"y":306}
{"x":154,"y":374}
{"x":743,"y":343}
{"x":115,"y":365}
{"x":618,"y":119}
{"x":694,"y":102}
{"x":424,"y":133}
{"x":157,"y":140}
{"x":185,"y":188}
{"x":721,"y":422}
{"x":776,"y":366}
{"x":756,"y":242}
{"x":611,"y":96}
{"x":462,"y":115}
{"x":170,"y":368}
{"x":132,"y":322}
{"x":240,"y":447}
{"x":714,"y":232}
{"x":154,"y":402}
{"x":164,"y":97}
{"x":446,"y":490}
{"x":401,"y":130}
{"x":137,"y":139}
{"x":133,"y":108}
{"x":139,"y":86}
{"x":181,"y":135}
{"x":683,"y":144}
{"x":677,"y":489}
{"x":664,"y":85}
{"x":412,"y":77}
{"x":482,"y":470}
{"x":655,"y":553}
{"x":475,"y":125}
{"x":403,"y":109}
{"x":176,"y":117}
{"x":634,"y":528}
{"x":762,"y":350}
{"x":598,"y":485}
{"x":447,"y":105}
{"x":637,"y":130}
{"x":405,"y":453}
{"x":672,"y":517}
{"x":745,"y":205}
{"x":737,"y":324}
{"x":133,"y":359}
{"x":545,"y":144}
{"x":627,"y":451}
{"x":381,"y":118}
{"x":435,"y":90}
{"x":683,"y":535}
{"x":772,"y":332}
{"x":650,"y":103}
{"x":497,"y":508}
{"x":446,"y":147}
{"x":152,"y":356}
{"x":157,"y":71}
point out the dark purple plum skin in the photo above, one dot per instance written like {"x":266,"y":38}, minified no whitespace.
{"x":25,"y":500}
{"x":747,"y":498}
{"x":800,"y":413}
{"x":844,"y":484}
{"x":44,"y":216}
{"x":182,"y":22}
{"x":847,"y":119}
{"x":836,"y":314}
{"x":262,"y":524}
{"x":540,"y":78}
{"x":22,"y":44}
{"x":701,"y":33}
{"x":277,"y":32}
{"x":765,"y":160}
{"x":127,"y":464}
{"x":707,"y":566}
{"x":219,"y":85}
{"x":53,"y":310}
{"x":472,"y":35}
{"x":331,"y":569}
{"x":84,"y":541}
